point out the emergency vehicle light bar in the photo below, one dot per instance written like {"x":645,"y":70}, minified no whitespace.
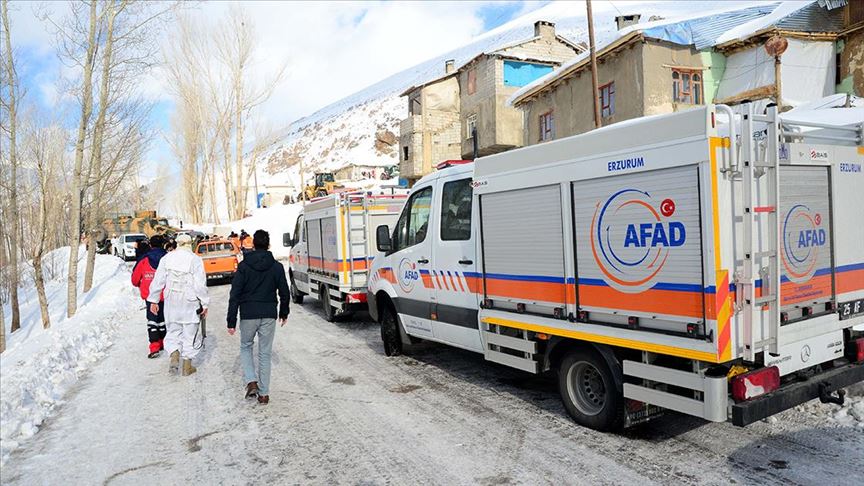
{"x":452,"y":163}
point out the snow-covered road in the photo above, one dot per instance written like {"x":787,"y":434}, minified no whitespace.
{"x":341,"y":412}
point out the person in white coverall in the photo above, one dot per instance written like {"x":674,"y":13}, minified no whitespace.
{"x":181,"y":275}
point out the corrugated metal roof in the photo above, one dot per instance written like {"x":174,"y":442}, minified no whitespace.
{"x":702,"y":32}
{"x":815,"y":17}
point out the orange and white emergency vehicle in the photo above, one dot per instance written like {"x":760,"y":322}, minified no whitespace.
{"x":670,"y":262}
{"x":333,"y":245}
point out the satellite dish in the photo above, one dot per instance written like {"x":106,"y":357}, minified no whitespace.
{"x":776,"y":46}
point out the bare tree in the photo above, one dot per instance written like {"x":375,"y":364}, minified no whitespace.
{"x":44,"y":146}
{"x":236,"y":45}
{"x":70,"y":38}
{"x":11,"y":104}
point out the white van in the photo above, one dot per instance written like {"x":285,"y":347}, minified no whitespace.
{"x":659,"y":263}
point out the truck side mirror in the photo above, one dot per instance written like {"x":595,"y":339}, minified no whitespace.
{"x":286,"y":239}
{"x":382,"y":238}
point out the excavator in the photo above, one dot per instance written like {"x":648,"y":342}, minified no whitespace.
{"x":325,"y":184}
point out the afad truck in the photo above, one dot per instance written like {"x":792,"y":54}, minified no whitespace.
{"x":333,"y":245}
{"x":659,"y":263}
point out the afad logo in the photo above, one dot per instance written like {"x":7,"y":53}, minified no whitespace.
{"x":803,"y":237}
{"x":631,"y":239}
{"x":408,"y":275}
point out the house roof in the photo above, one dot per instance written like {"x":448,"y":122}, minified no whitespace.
{"x":702,"y":31}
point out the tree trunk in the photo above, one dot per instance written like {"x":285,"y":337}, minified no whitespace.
{"x":239,"y":194}
{"x":99,"y":135}
{"x":39,"y":280}
{"x":77,"y":184}
{"x":14,"y":227}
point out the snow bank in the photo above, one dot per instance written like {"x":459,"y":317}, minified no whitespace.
{"x":39,"y":366}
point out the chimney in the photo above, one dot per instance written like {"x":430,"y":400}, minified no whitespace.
{"x":544,"y":29}
{"x":449,"y":65}
{"x":627,"y":20}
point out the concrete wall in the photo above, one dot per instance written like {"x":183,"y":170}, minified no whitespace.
{"x":481,"y":103}
{"x":851,"y":51}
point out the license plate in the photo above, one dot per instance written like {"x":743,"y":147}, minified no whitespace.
{"x":851,"y":308}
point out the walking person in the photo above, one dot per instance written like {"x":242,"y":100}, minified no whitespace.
{"x":258,"y":280}
{"x":142,"y":276}
{"x":181,"y":276}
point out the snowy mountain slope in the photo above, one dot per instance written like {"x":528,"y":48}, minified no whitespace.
{"x":347,"y":130}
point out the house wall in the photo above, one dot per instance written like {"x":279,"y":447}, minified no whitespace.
{"x":499,"y":127}
{"x":439,"y":117}
{"x":851,"y":50}
{"x":571,"y":102}
{"x":481,"y":103}
{"x":657,"y":59}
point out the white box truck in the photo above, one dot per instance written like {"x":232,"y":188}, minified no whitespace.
{"x":659,"y":263}
{"x":333,"y":244}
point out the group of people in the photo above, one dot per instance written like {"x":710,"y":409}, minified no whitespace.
{"x":243,"y":241}
{"x":173,"y":284}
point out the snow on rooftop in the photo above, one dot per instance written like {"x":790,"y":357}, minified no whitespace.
{"x":747,"y":29}
{"x":701,"y":29}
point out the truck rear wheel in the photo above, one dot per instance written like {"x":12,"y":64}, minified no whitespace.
{"x":390,"y":332}
{"x":324,"y":296}
{"x":296,"y":295}
{"x":588,"y":391}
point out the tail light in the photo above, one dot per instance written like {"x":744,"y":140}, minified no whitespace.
{"x":755,"y":383}
{"x":356,"y":298}
{"x":855,"y":350}
{"x":582,"y":316}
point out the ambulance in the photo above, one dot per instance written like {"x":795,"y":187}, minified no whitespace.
{"x":671,"y":262}
{"x":333,"y":245}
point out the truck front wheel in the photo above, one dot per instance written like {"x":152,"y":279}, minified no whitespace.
{"x":588,"y":390}
{"x":390,"y":332}
{"x":296,"y":295}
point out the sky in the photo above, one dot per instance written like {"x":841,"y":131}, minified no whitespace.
{"x":330,"y":49}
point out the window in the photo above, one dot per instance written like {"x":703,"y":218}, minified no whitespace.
{"x":687,"y":86}
{"x":405,"y":152}
{"x":202,"y":249}
{"x":519,"y":74}
{"x":414,"y":222}
{"x":456,"y":211}
{"x":607,"y":99}
{"x":470,"y":126}
{"x":472,"y":81}
{"x":547,"y":126}
{"x":414,"y":107}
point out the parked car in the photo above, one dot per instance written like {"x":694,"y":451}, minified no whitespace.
{"x":124,"y":245}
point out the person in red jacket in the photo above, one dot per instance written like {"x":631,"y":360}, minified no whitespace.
{"x":142,"y":275}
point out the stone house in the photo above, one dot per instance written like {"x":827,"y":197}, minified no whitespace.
{"x":666,"y":66}
{"x":445,"y":113}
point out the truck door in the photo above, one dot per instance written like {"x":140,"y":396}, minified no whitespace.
{"x":453,"y":278}
{"x":299,"y":257}
{"x":806,"y":260}
{"x":410,"y":257}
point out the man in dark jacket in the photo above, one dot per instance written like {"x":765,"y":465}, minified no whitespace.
{"x":258,"y":279}
{"x":142,"y":275}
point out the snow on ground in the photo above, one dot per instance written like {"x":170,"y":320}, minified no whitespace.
{"x":39,"y":365}
{"x":343,"y":413}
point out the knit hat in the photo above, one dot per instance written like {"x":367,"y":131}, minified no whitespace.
{"x":184,"y":240}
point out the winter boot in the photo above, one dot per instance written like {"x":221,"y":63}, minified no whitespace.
{"x":252,"y":389}
{"x":174,"y":364}
{"x":263,"y":399}
{"x":188,"y":369}
{"x":154,"y":354}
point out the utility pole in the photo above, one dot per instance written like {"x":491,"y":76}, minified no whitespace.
{"x":597,"y":121}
